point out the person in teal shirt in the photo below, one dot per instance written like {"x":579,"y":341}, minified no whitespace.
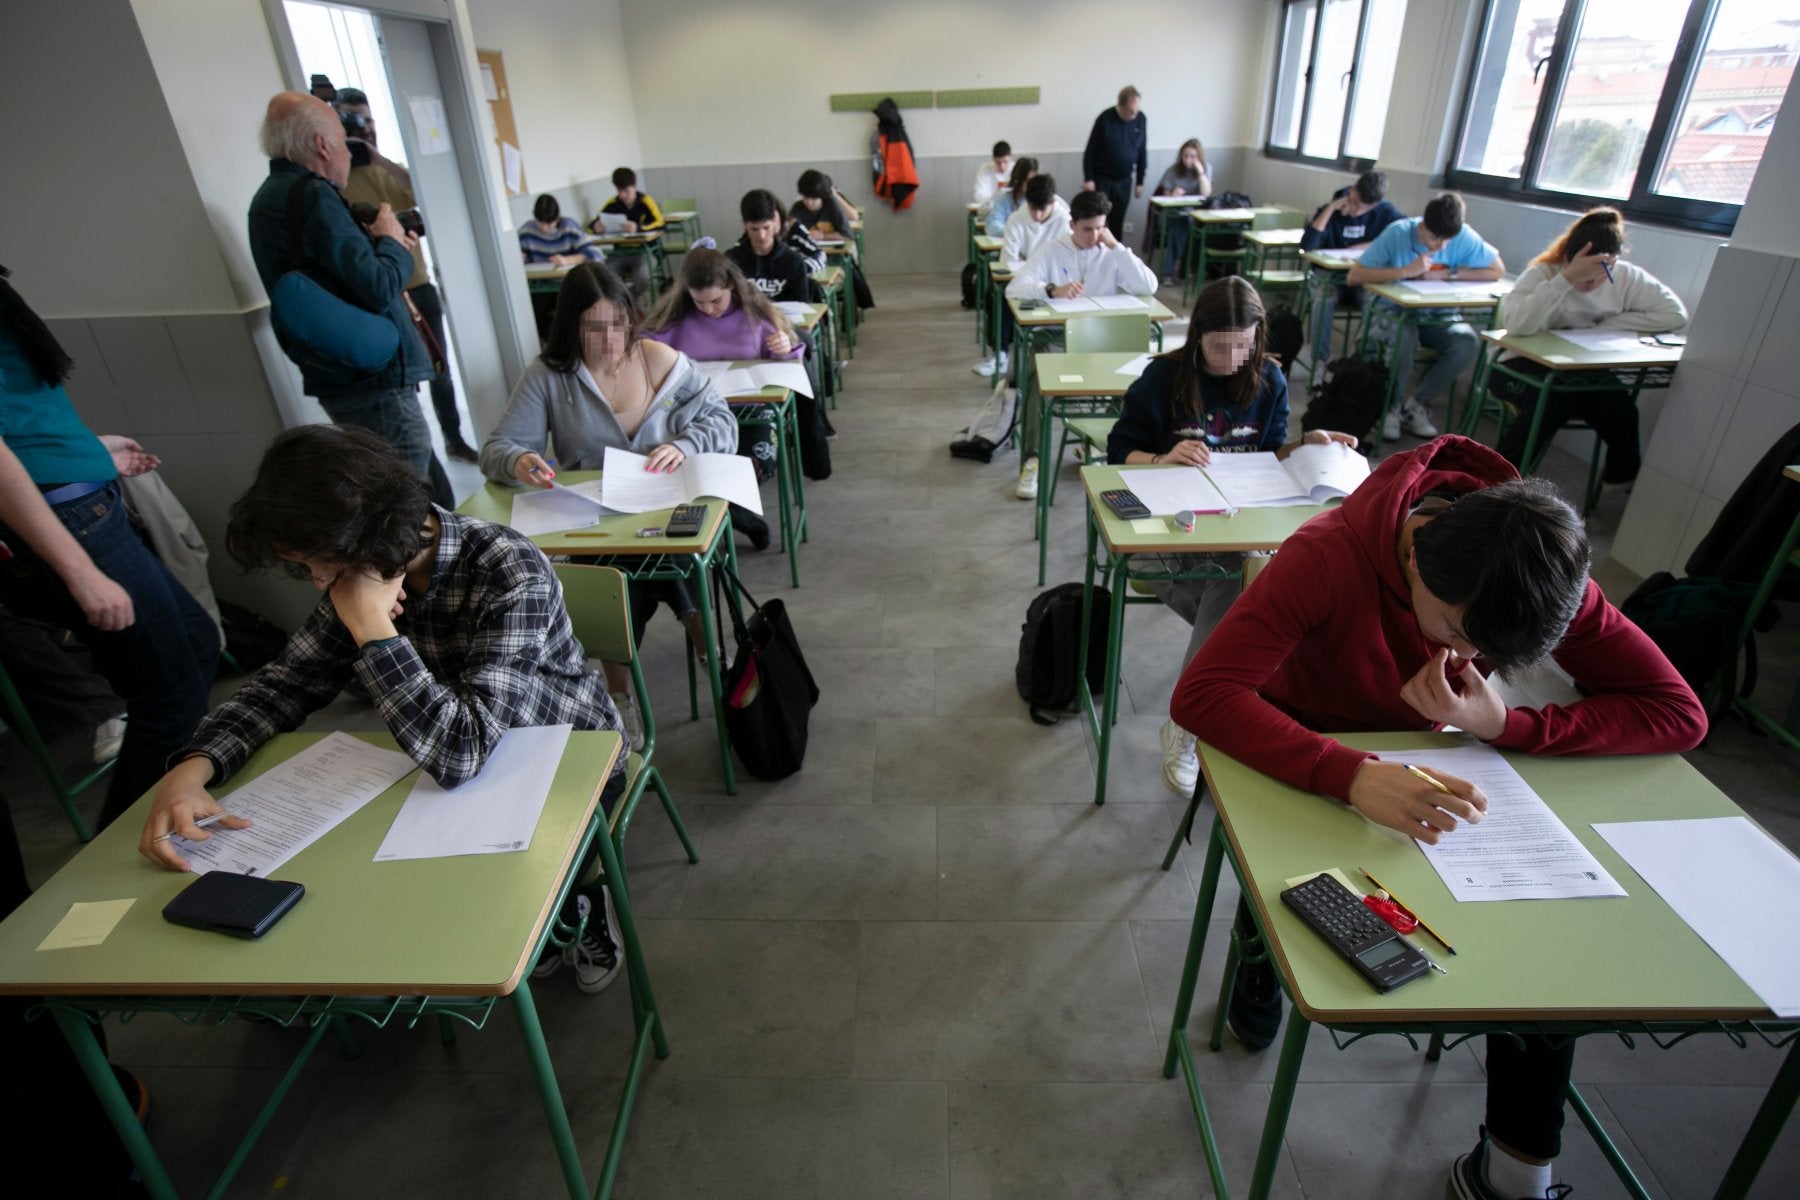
{"x":1435,"y":245}
{"x":69,"y":556}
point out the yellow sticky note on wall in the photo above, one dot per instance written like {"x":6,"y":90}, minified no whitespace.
{"x":86,"y":924}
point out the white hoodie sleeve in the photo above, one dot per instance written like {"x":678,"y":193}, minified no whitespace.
{"x":1646,"y":303}
{"x":1535,"y":301}
{"x":1034,"y":279}
{"x":1130,"y":275}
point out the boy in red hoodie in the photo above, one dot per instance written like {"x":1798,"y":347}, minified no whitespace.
{"x":1388,"y":614}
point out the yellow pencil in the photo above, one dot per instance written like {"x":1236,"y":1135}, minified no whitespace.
{"x":1433,"y":780}
{"x":1409,"y":908}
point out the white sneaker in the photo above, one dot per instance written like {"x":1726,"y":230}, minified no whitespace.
{"x":1026,"y":489}
{"x":1415,"y":418}
{"x":1390,"y":429}
{"x":109,"y":738}
{"x":993,"y":364}
{"x":632,"y":719}
{"x":1181,"y":762}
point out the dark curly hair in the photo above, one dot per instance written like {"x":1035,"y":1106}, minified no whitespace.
{"x":335,"y":493}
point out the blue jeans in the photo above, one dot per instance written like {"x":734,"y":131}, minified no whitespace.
{"x":1325,"y":304}
{"x":394,"y":414}
{"x":1456,"y":346}
{"x":161,"y":665}
{"x":1176,"y":227}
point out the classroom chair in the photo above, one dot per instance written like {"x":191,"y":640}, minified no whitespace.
{"x":1095,"y":334}
{"x":680,"y":235}
{"x":1275,"y":272}
{"x":27,"y":729}
{"x":600,"y":611}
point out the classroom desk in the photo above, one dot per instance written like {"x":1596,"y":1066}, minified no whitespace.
{"x":1113,"y":545}
{"x":987,"y":252}
{"x":1571,"y":368}
{"x":1272,"y":259}
{"x":1162,"y":210}
{"x":1072,"y":386}
{"x":834,"y":283}
{"x":775,"y":409}
{"x":1034,"y":328}
{"x":1221,"y":223}
{"x":1786,"y":559}
{"x":547,"y":277}
{"x":974,"y":229}
{"x":1628,"y":965}
{"x":995,"y":275}
{"x":647,"y":559}
{"x":818,"y":321}
{"x":1324,"y":270}
{"x":646,"y":244}
{"x":856,"y":232}
{"x":681,"y":223}
{"x":393,"y":942}
{"x":1405,"y":311}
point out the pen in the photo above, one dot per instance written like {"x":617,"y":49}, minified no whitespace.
{"x":202,"y":823}
{"x":1431,"y":779}
{"x":1410,"y":912}
{"x":1607,"y":267}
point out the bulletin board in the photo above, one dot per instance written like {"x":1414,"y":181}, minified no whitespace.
{"x":506,"y":132}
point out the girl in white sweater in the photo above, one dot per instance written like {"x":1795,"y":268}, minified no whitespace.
{"x":1580,"y":282}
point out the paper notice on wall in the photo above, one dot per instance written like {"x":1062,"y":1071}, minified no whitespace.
{"x":429,"y":125}
{"x":513,"y":164}
{"x":489,"y":88}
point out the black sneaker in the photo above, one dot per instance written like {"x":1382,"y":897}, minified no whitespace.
{"x":1254,"y":1017}
{"x":1468,"y":1178}
{"x":595,"y":957}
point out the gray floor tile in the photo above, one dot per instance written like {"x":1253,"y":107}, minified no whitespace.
{"x":1689,"y":1134}
{"x":818,"y":863}
{"x":973,"y":1001}
{"x":1065,"y":862}
{"x":979,"y":760}
{"x":973,"y":682}
{"x":874,"y":683}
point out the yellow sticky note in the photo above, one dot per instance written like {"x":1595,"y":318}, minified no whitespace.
{"x":86,"y":924}
{"x":1336,"y":874}
{"x":1150,"y":525}
{"x":1070,"y":378}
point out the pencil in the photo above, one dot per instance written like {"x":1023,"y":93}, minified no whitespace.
{"x":1433,"y":780}
{"x":1414,"y":913}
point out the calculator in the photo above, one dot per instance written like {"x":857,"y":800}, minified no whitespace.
{"x":1379,"y":955}
{"x":685,"y":521}
{"x":1124,"y":503}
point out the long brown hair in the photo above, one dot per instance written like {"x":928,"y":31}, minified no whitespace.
{"x":1198,"y":149}
{"x":707,"y":268}
{"x":1224,"y":305}
{"x":1023,"y":170}
{"x":1602,"y":228}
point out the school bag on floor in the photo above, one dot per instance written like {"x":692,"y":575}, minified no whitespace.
{"x":1349,"y":400}
{"x":1695,"y":623}
{"x":1286,"y":335}
{"x":1049,"y":644}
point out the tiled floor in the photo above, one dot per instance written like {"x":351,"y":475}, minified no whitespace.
{"x":927,"y":966}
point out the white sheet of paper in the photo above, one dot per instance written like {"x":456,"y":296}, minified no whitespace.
{"x":627,"y":487}
{"x":1345,"y":253}
{"x":1135,"y":367}
{"x":1609,"y":340}
{"x":430,"y":126}
{"x":1254,"y":481}
{"x":489,"y":88}
{"x":743,"y":381}
{"x":494,"y":813}
{"x":294,"y":804}
{"x":556,"y":508}
{"x":85,"y":924}
{"x":1121,"y":303}
{"x":512,"y":164}
{"x":1447,"y":287}
{"x":1719,"y":874}
{"x":792,"y":309}
{"x":1520,"y":850}
{"x":1169,"y":490}
{"x":1072,"y":304}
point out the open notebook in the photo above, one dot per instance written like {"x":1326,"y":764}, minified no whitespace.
{"x":1311,"y":475}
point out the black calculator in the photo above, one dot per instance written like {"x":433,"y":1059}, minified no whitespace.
{"x":1379,"y":955}
{"x":684,"y":521}
{"x":1124,"y":503}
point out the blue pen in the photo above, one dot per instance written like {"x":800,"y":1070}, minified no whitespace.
{"x":1607,"y":267}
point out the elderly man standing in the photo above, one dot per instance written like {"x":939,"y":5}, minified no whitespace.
{"x":369,"y":267}
{"x":1117,"y":146}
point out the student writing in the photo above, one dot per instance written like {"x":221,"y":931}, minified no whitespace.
{"x":1354,"y":216}
{"x":1186,"y":176}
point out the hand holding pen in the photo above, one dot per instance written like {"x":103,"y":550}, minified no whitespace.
{"x":534,"y":470}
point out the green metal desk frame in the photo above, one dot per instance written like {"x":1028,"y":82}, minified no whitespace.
{"x":776,"y":410}
{"x":834,"y":283}
{"x":1318,"y":279}
{"x":1384,"y":324}
{"x":1200,"y":252}
{"x":1787,"y":558}
{"x":1067,"y":408}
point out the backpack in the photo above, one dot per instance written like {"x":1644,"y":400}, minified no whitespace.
{"x":1695,"y":623}
{"x":968,"y":285}
{"x":1286,"y":335}
{"x":1229,"y":200}
{"x":1349,"y":400}
{"x":1049,"y":642}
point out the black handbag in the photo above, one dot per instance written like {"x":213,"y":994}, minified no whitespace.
{"x":769,"y":692}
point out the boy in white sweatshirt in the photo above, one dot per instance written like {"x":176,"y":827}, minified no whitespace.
{"x":1580,"y":282}
{"x":1043,"y":215}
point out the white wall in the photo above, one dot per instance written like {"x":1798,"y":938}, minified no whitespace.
{"x":721,"y":82}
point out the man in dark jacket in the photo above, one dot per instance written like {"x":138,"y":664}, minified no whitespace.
{"x":368,"y":267}
{"x":1117,"y":147}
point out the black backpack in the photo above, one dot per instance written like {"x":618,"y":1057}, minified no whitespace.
{"x":968,"y":285}
{"x":1695,"y":623}
{"x":1349,"y":399}
{"x":1286,"y":335}
{"x":1050,"y":641}
{"x":1229,"y":200}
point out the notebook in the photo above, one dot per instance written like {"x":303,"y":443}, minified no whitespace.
{"x":1310,"y":475}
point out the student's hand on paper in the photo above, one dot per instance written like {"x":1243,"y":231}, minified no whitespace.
{"x":1324,"y":437}
{"x":1178,"y":191}
{"x":181,"y":799}
{"x":367,"y":604}
{"x":1389,"y":794}
{"x":1417,"y":268}
{"x":532,"y":471}
{"x":1456,"y":693}
{"x":1187,"y":452}
{"x":105,"y":604}
{"x":631,"y":227}
{"x":778,"y":343}
{"x":128,"y":457}
{"x":1585,"y":268}
{"x":665,"y":458}
{"x":1067,"y":291}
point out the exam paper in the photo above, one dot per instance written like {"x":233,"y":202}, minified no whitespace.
{"x":1344,"y":253}
{"x":1135,"y":367}
{"x":86,"y":924}
{"x":557,"y":507}
{"x":1311,"y":475}
{"x":743,"y":381}
{"x":1456,"y":287}
{"x":794,"y":309}
{"x":295,"y":803}
{"x":627,"y":487}
{"x":1612,"y":341}
{"x":1520,"y":850}
{"x":1072,"y":304}
{"x":1121,"y":303}
{"x":1169,"y":490}
{"x":494,"y":813}
{"x":1719,"y":874}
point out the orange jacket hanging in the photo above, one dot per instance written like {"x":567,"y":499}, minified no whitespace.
{"x":896,"y":175}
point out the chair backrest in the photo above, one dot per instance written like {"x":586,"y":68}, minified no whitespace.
{"x":680,"y":204}
{"x":600,"y":610}
{"x":1113,"y":331}
{"x":1287,"y":218}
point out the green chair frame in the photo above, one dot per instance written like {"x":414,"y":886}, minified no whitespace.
{"x":1275,"y":270}
{"x":27,"y":729}
{"x":680,"y":236}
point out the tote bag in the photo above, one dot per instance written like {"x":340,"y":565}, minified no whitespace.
{"x":327,"y":336}
{"x":769,"y":692}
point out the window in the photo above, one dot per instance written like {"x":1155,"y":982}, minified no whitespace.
{"x":1332,"y":76}
{"x":1662,"y":107}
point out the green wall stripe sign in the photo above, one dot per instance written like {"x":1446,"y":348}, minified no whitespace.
{"x":979,"y":97}
{"x":863,"y":102}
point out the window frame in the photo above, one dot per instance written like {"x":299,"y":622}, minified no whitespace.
{"x":1705,"y":216}
{"x":1303,"y":97}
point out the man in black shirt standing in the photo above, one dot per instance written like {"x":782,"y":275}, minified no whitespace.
{"x":1117,"y":147}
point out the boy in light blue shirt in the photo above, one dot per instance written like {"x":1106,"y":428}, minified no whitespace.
{"x":1436,"y":245}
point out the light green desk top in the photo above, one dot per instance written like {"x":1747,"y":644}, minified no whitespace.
{"x":1231,"y":216}
{"x":679,"y":215}
{"x":1613,"y":958}
{"x":1551,"y":351}
{"x":613,"y":535}
{"x":986,"y":244}
{"x":773,"y":394}
{"x":1037,"y":318}
{"x":1250,"y":529}
{"x":1274,"y":237}
{"x":814,"y":314}
{"x":830,"y":277}
{"x":1083,"y":374}
{"x":629,"y":241}
{"x":1177,"y":201}
{"x":445,"y":926}
{"x":1475,"y":295}
{"x":1326,"y":260}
